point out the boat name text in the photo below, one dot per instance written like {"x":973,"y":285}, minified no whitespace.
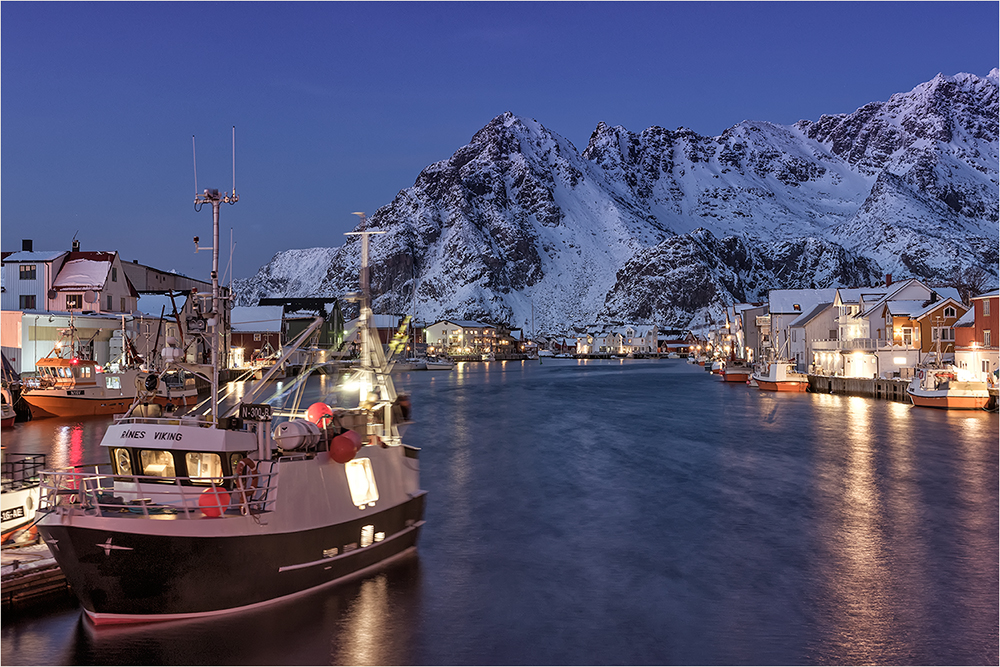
{"x":157,"y":435}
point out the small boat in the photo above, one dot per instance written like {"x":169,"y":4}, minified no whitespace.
{"x":780,"y":375}
{"x":20,"y":489}
{"x":718,"y":367}
{"x":438,"y":364}
{"x":736,"y":373}
{"x":546,"y":353}
{"x":203,"y":515}
{"x":947,"y":387}
{"x":673,"y":355}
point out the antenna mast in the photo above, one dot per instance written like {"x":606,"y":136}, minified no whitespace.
{"x":211,"y":196}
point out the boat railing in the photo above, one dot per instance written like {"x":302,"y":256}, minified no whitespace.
{"x":20,"y":470}
{"x":88,"y":491}
{"x":186,"y":420}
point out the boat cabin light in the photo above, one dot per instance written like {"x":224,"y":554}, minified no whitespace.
{"x":196,"y":468}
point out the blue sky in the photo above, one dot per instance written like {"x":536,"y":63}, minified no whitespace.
{"x":339,"y":105}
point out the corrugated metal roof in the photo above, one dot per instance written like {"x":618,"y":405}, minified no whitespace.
{"x":252,"y":319}
{"x":36,"y":256}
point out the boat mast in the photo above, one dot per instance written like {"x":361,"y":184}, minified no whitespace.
{"x":211,"y":196}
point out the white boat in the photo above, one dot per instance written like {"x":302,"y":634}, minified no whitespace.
{"x":673,"y":355}
{"x":780,"y":375}
{"x":411,"y":364}
{"x":19,"y":495}
{"x":947,"y":387}
{"x":197,"y":517}
{"x":438,"y":364}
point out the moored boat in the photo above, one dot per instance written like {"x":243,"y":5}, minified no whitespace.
{"x":947,"y":387}
{"x":736,"y":373}
{"x":19,"y":495}
{"x":200,"y":516}
{"x":780,"y":375}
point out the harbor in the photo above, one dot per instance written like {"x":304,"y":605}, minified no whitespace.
{"x":726,"y":525}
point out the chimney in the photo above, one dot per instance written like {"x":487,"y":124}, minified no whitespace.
{"x":888,"y":279}
{"x":26,"y":245}
{"x":76,"y":246}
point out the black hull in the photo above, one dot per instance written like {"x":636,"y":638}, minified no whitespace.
{"x":125,"y":577}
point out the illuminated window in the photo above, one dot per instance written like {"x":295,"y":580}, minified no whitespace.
{"x":156,"y":463}
{"x":204,"y":467}
{"x":361,"y":480}
{"x":26,"y":272}
{"x":74,"y":301}
{"x":123,"y":463}
{"x":113,"y":382}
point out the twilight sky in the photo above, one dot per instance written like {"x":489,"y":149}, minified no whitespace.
{"x":339,"y":105}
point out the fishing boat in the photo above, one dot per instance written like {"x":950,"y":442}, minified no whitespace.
{"x":75,"y":386}
{"x":948,"y":387}
{"x":19,"y":478}
{"x":244,"y":507}
{"x":736,"y":373}
{"x":780,"y":375}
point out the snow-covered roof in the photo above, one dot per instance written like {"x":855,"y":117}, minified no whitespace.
{"x":931,"y":307}
{"x":987,"y":295}
{"x":967,"y":320}
{"x":905,"y":307}
{"x":785,"y":300}
{"x":256,"y":319}
{"x":88,"y":272}
{"x":811,"y":314}
{"x":154,"y":304}
{"x":36,"y":256}
{"x":466,"y":324}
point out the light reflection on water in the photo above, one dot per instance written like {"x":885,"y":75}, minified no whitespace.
{"x":636,"y":512}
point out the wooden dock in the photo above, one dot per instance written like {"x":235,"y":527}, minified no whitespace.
{"x":890,"y":390}
{"x":30,"y":576}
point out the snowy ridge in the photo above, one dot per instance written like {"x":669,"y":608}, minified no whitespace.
{"x":668,"y":226}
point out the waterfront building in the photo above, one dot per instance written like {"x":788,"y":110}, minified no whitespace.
{"x":460,"y":337}
{"x":47,"y":292}
{"x":976,"y":344}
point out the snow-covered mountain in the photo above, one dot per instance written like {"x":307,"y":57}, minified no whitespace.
{"x":664,"y":226}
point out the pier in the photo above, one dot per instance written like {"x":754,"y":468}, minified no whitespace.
{"x":30,"y":576}
{"x":891,"y":390}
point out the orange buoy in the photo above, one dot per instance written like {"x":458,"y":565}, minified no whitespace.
{"x":319,"y":414}
{"x":213,"y":502}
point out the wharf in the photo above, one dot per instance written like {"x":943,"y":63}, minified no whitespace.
{"x":30,"y":576}
{"x":890,"y":390}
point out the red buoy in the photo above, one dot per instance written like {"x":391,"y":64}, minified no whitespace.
{"x":319,"y":414}
{"x":213,"y":501}
{"x":342,"y":449}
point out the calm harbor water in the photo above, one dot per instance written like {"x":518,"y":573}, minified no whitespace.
{"x":628,"y":512}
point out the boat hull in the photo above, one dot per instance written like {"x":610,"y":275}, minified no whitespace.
{"x":768,"y":385}
{"x":735,"y":376}
{"x":942,"y":399}
{"x":18,"y":511}
{"x":128,"y":577}
{"x":60,"y":405}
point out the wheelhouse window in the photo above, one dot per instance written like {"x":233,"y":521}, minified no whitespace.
{"x":122,"y":460}
{"x":26,"y":272}
{"x":204,"y":467}
{"x":157,"y":463}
